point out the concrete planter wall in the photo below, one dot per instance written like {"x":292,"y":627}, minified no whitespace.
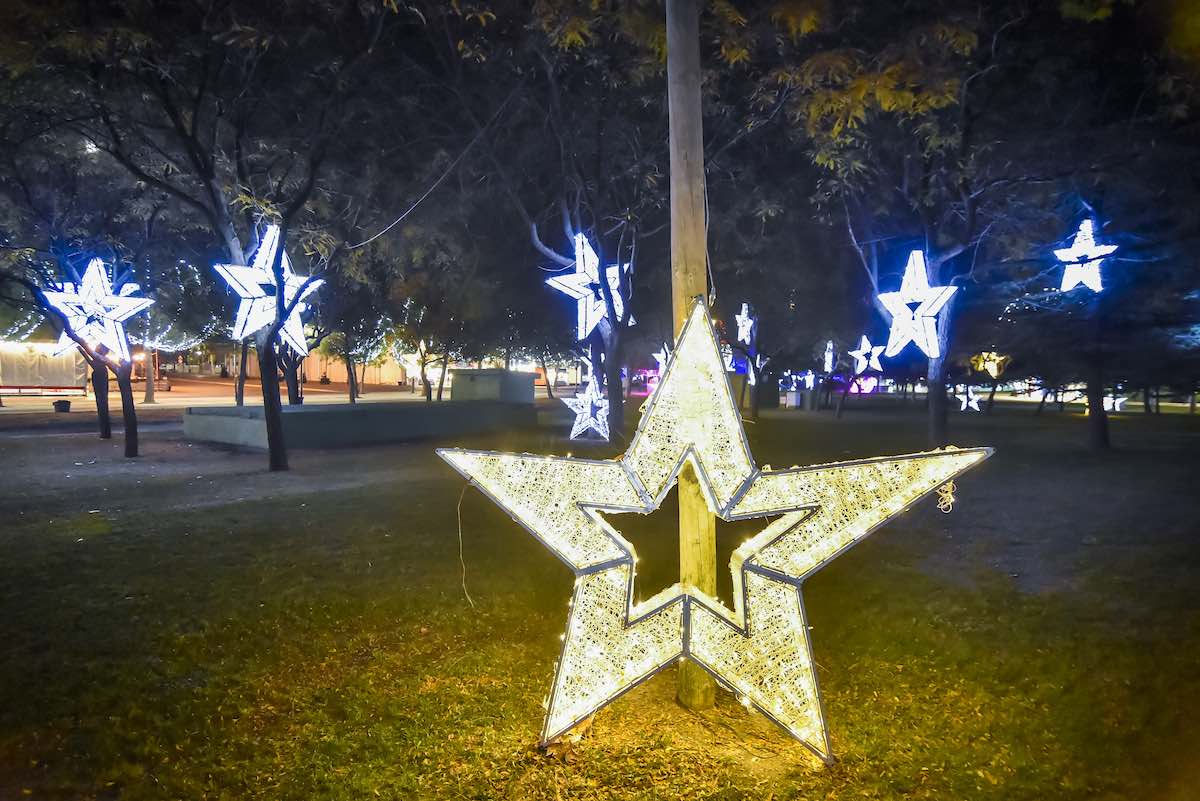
{"x":492,"y":385}
{"x":347,"y":425}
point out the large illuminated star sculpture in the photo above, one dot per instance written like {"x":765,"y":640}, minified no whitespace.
{"x":915,"y":309}
{"x":760,"y":649}
{"x":584,"y":286}
{"x":256,"y":287}
{"x":94,"y":313}
{"x":867,"y":356}
{"x":591,"y":411}
{"x":1083,"y":259}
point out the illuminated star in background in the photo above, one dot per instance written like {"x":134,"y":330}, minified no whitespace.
{"x":661,"y":355}
{"x":760,"y":648}
{"x":1083,"y":259}
{"x":584,"y":286}
{"x":867,"y":356}
{"x":94,"y":313}
{"x":591,"y":411}
{"x":745,"y":324}
{"x":255,"y":285}
{"x":915,"y":309}
{"x":968,"y":400}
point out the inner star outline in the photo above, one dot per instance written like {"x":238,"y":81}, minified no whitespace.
{"x":761,"y":648}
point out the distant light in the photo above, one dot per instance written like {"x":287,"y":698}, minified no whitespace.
{"x":1083,"y":259}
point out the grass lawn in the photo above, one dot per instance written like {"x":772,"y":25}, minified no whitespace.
{"x":187,"y":626}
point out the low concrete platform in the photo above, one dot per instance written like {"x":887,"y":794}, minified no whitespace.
{"x":346,"y":425}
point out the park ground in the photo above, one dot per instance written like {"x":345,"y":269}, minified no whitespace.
{"x":187,"y":625}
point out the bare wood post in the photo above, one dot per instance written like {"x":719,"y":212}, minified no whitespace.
{"x":689,"y":279}
{"x":151,"y":359}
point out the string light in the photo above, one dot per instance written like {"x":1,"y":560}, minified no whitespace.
{"x":915,"y":309}
{"x":760,"y":649}
{"x":94,"y":313}
{"x":1083,"y":258}
{"x":256,"y":287}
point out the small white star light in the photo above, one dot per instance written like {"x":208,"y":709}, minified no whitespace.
{"x":760,"y":649}
{"x":915,"y":309}
{"x":1111,"y":404}
{"x":660,"y":357}
{"x":968,"y":400}
{"x":584,"y":286}
{"x":94,"y":313}
{"x":867,"y":356}
{"x":1082,"y":260}
{"x":255,"y":286}
{"x":745,"y":324}
{"x":591,"y":411}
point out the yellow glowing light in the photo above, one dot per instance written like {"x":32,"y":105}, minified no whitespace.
{"x":990,"y":362}
{"x":759,"y":649}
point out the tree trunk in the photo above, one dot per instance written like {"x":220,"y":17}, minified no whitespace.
{"x":613,"y":387}
{"x":549,"y":380}
{"x":1158,"y":400}
{"x":1146,"y":409}
{"x":992,"y":395}
{"x":442,"y":377}
{"x":128,"y":413}
{"x":837,"y":415}
{"x":939,"y":405}
{"x":426,"y":387}
{"x":151,"y":362}
{"x":268,"y":369}
{"x":351,"y":379}
{"x":239,"y":391}
{"x":290,"y":362}
{"x":1192,"y":402}
{"x":100,"y":391}
{"x":1097,"y":416}
{"x":362,"y":379}
{"x":689,"y":279}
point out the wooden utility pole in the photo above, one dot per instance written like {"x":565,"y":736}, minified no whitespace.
{"x":689,"y":279}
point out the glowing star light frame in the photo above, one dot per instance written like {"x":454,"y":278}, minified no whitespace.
{"x":760,"y":649}
{"x":1082,"y":260}
{"x":867,"y":356}
{"x":583,"y":286}
{"x":94,"y":313}
{"x":255,"y":286}
{"x":591,"y":411}
{"x":918,"y":325}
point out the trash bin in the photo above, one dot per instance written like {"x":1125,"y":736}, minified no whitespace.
{"x":62,"y":406}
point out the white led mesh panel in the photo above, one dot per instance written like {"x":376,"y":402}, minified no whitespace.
{"x":692,"y":408}
{"x":850,"y":501}
{"x":544,"y":493}
{"x":602,"y":655}
{"x":772,"y":666}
